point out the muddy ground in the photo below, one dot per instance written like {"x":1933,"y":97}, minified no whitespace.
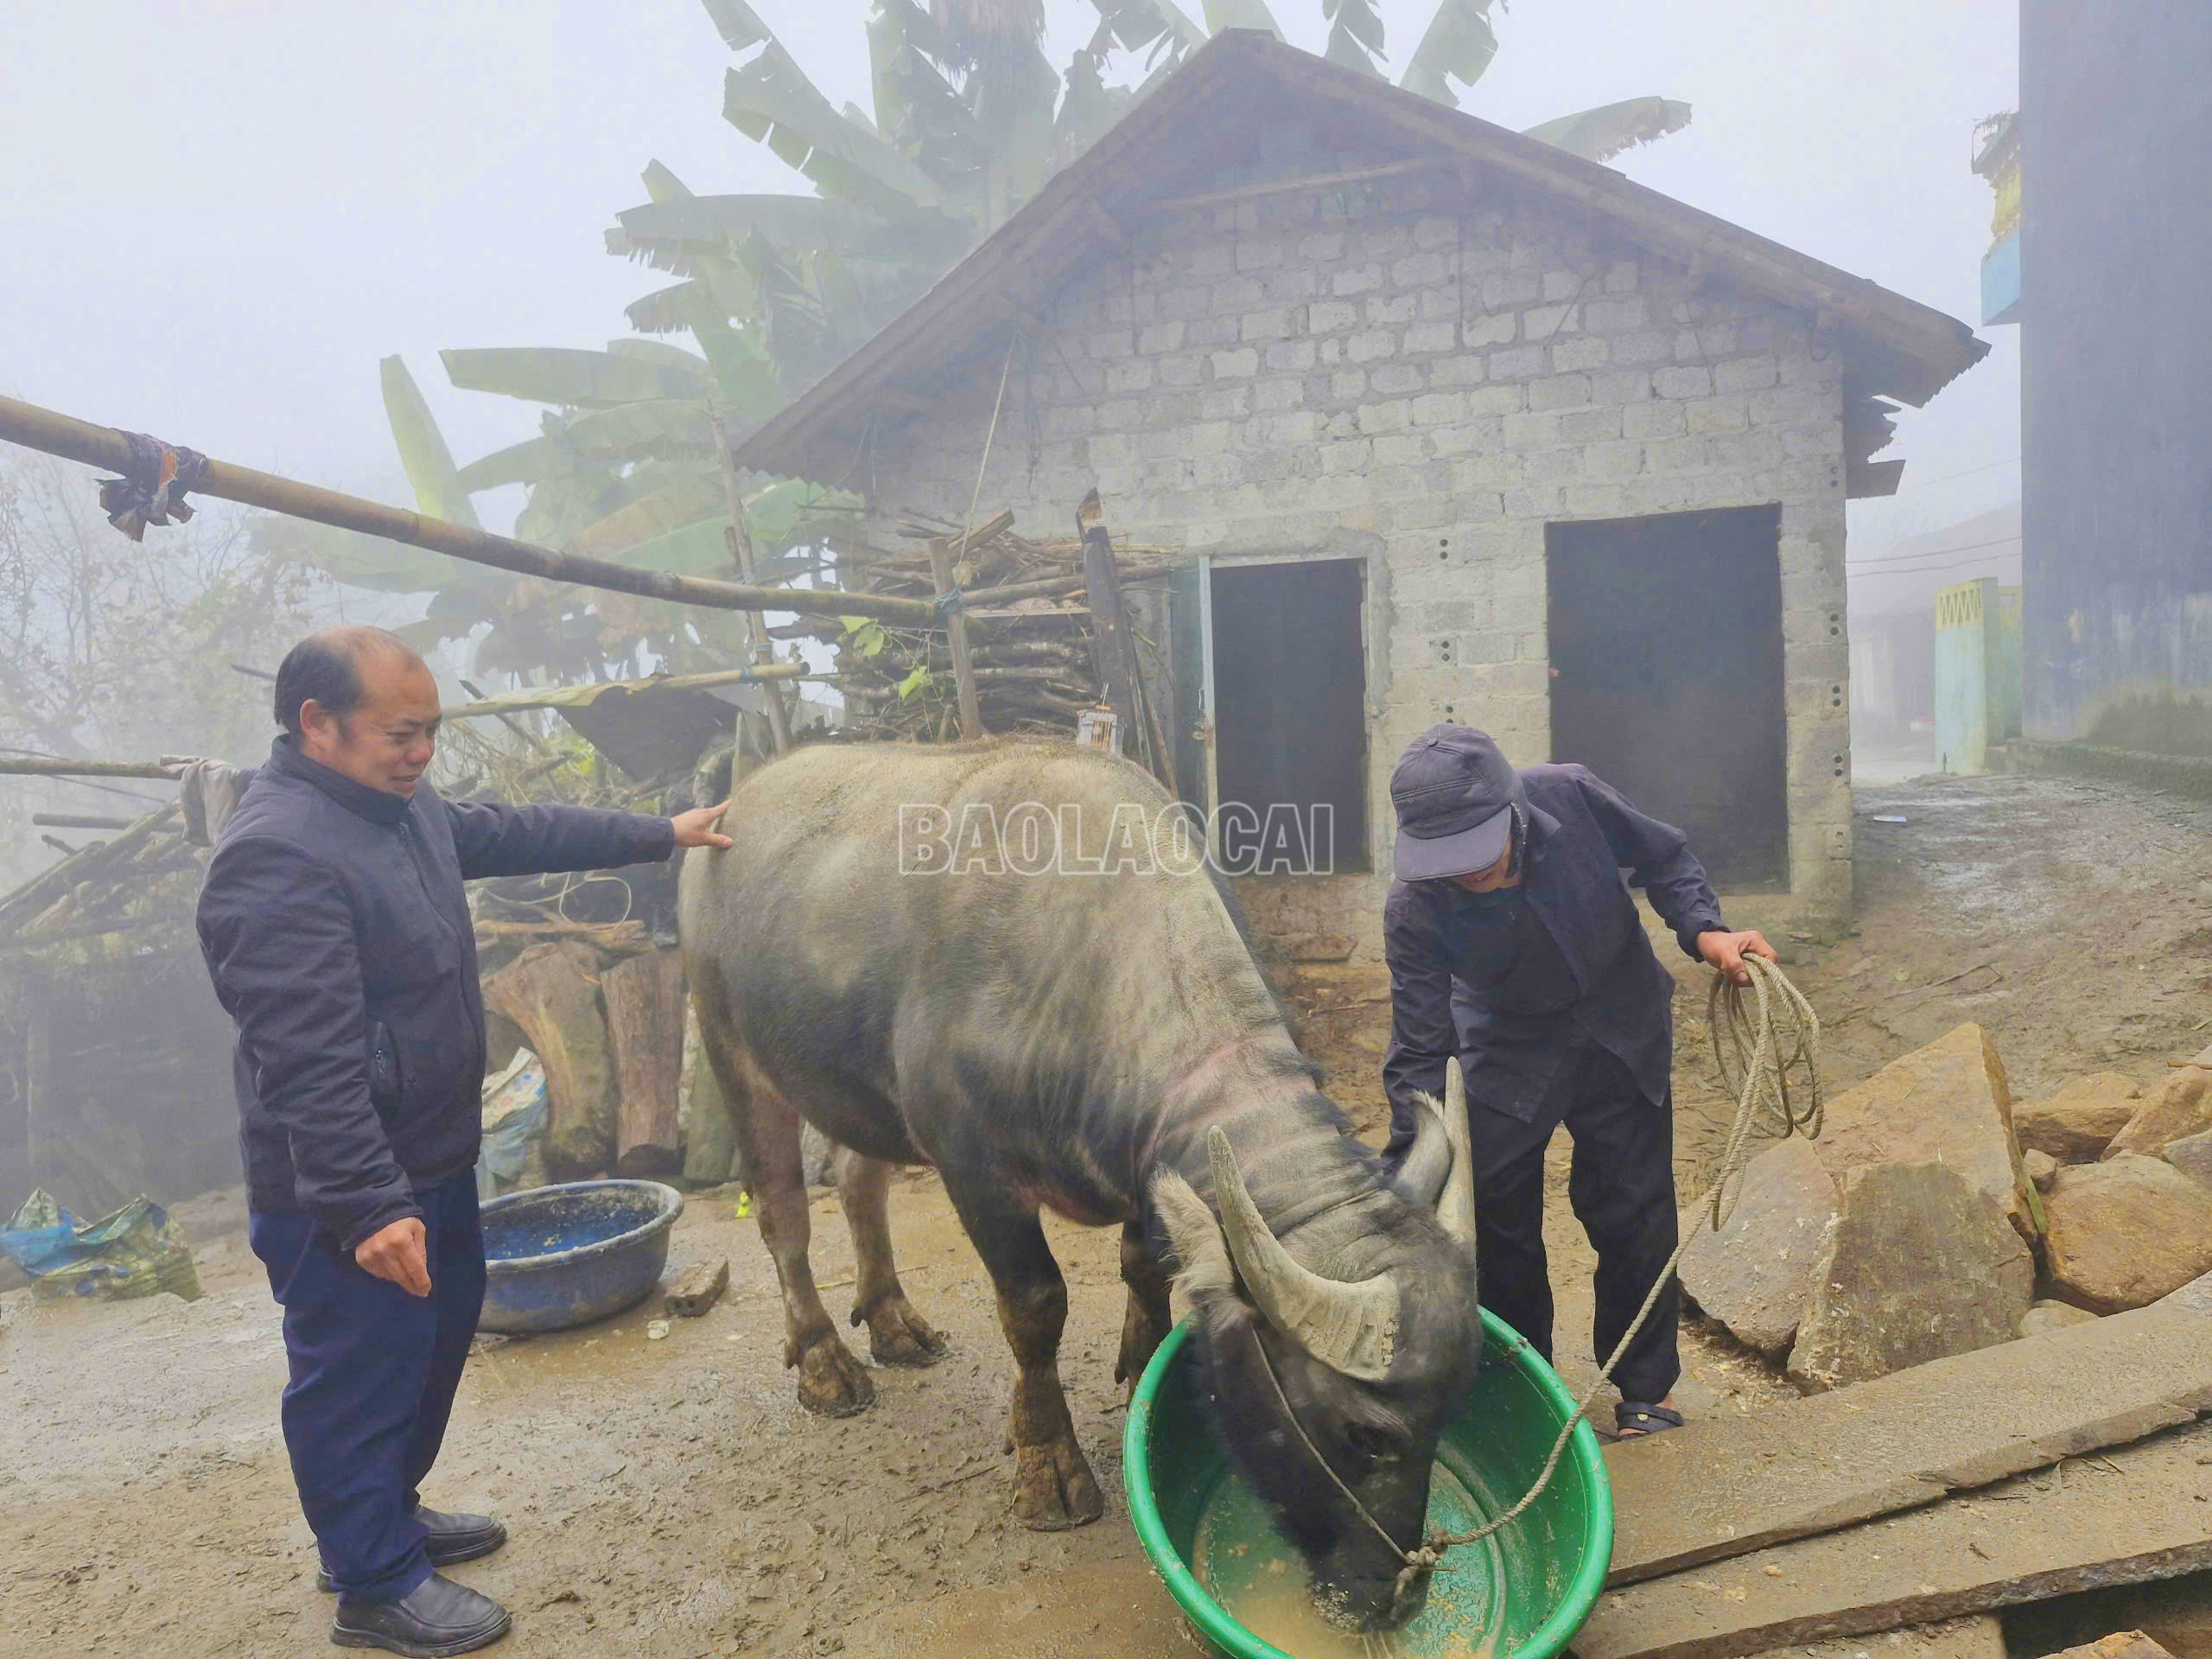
{"x":669,"y":1497}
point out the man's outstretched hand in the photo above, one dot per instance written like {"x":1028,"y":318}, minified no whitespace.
{"x":395,"y":1252}
{"x":1726,"y":952}
{"x":697,"y":828}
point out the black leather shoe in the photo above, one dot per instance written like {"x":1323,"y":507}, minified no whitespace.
{"x":437,"y":1618}
{"x":453,"y":1539}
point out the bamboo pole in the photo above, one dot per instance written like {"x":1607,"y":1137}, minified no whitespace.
{"x":79,"y":821}
{"x":39,"y":766}
{"x":100,"y":446}
{"x":32,"y":899}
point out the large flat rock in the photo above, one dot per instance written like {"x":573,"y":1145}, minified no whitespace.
{"x":2182,"y":1108}
{"x":2194,"y":1298}
{"x":1918,"y":1265}
{"x":2125,"y":1232}
{"x":2192,"y":1155}
{"x":2076,"y":1124}
{"x":1946,"y":1103}
{"x":1756,"y":1273}
{"x":2137,"y":1514}
{"x":1724,"y":1486}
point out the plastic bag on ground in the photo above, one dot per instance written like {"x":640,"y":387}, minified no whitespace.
{"x":137,"y":1251}
{"x":514,"y":1128}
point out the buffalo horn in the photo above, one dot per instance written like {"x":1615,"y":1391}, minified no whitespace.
{"x":1351,"y":1328}
{"x":1428,"y":1163}
{"x":1455,"y":1209}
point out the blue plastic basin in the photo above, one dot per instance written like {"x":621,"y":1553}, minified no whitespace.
{"x":559,"y":1257}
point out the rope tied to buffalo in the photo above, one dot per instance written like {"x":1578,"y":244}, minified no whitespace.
{"x":1766,"y":1040}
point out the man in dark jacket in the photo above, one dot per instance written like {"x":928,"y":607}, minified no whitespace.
{"x":1513,"y":942}
{"x":337,"y":933}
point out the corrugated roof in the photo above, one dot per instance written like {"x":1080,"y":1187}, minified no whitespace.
{"x":1896,"y":347}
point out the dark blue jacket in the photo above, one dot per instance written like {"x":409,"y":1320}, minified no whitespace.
{"x":1457,"y":986}
{"x":337,"y":933}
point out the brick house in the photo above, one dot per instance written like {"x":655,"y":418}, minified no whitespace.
{"x":1451,"y":425}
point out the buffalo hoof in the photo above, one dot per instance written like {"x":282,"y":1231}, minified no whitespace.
{"x":1053,"y":1489}
{"x":899,"y":1336}
{"x":831,"y":1383}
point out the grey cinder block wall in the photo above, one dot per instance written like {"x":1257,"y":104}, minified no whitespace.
{"x":1422,"y":377}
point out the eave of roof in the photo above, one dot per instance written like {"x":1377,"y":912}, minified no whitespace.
{"x":1899,"y":347}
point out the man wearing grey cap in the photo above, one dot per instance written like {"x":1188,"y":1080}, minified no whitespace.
{"x":1514,"y":943}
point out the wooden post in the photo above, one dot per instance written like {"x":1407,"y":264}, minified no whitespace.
{"x":1116,"y":648}
{"x":756,"y":625}
{"x":102,"y":445}
{"x":645,"y":1019}
{"x":955,"y":629}
{"x":79,"y":821}
{"x":549,"y":991}
{"x":38,"y":1065}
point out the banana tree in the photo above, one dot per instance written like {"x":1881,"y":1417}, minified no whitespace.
{"x":968,"y":121}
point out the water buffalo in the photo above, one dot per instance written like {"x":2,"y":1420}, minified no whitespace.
{"x":1102,"y":1044}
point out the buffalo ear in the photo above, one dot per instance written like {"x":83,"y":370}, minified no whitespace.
{"x":1203,"y":1267}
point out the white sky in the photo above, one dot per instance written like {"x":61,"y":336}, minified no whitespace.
{"x":221,"y":212}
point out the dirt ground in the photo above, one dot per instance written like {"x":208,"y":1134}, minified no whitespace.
{"x":669,"y":1497}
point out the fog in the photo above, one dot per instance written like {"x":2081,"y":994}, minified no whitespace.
{"x":224,"y":211}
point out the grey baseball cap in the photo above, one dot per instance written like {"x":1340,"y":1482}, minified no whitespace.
{"x":1454,"y":792}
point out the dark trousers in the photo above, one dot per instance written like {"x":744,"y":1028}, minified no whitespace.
{"x":1622,"y":1186}
{"x":373,"y":1375}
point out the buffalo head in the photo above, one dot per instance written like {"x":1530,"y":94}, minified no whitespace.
{"x":1368,"y":1342}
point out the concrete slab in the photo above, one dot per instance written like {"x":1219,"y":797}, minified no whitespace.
{"x":2134,"y":1515}
{"x":1729,"y":1486}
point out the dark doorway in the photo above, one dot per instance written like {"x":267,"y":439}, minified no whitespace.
{"x":1666,"y":657}
{"x":1290,"y":724}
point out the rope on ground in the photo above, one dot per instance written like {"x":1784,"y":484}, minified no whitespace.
{"x":1758,"y":1040}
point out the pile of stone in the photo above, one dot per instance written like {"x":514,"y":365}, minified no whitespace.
{"x":1934,"y":1217}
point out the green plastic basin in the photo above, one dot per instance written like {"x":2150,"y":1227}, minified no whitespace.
{"x":1521,"y":1593}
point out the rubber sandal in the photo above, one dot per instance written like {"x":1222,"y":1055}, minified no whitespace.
{"x":1633,"y":1420}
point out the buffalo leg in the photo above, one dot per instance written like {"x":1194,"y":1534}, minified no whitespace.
{"x":1146,"y":1323}
{"x":897,"y":1335}
{"x":1053,"y":1487}
{"x":831,"y":1382}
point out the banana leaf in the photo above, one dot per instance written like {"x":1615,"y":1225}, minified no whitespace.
{"x":1458,"y":45}
{"x":1600,"y":134}
{"x":1137,"y":24}
{"x":682,"y":498}
{"x":518,"y":463}
{"x":920,"y":112}
{"x":1015,"y":94}
{"x":770,"y":100}
{"x":738,"y":25}
{"x":1088,"y":109}
{"x":554,"y":374}
{"x":1354,"y":36}
{"x":422,"y":451}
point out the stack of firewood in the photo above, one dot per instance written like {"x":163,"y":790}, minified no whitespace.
{"x":1032,"y":650}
